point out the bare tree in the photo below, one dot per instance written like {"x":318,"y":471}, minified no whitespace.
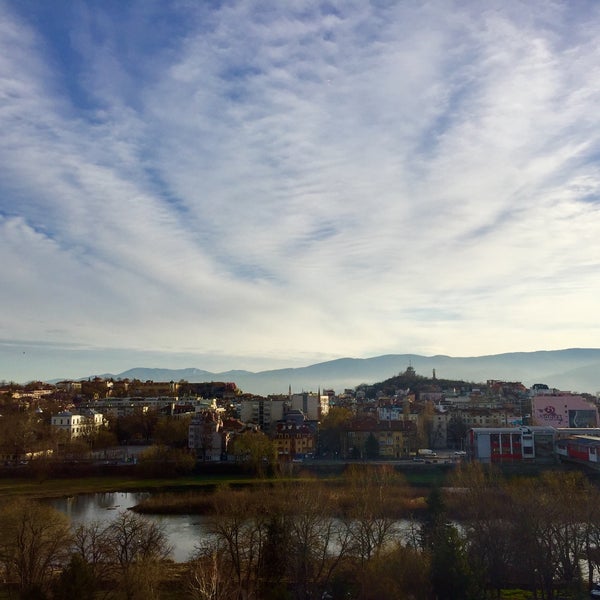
{"x":568,"y":494}
{"x":319,"y":543}
{"x":591,"y":519}
{"x":239,"y":526}
{"x":207,"y":577}
{"x":373,"y":524}
{"x":34,"y":540}
{"x":91,"y":543}
{"x":137,"y":547}
{"x":479,"y":498}
{"x":371,"y":520}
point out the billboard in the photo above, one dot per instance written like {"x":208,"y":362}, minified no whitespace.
{"x":563,"y":411}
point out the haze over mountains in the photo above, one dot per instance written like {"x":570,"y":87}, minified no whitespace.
{"x":575,"y":369}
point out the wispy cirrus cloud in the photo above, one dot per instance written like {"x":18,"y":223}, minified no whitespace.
{"x":262,"y":179}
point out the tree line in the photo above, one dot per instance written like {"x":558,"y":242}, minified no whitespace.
{"x":41,"y":556}
{"x":475,"y":539}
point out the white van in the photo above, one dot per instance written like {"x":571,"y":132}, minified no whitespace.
{"x":426,"y":452}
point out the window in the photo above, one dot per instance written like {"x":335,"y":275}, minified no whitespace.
{"x":495,"y":443}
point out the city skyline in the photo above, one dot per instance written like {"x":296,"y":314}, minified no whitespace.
{"x":251,"y":185}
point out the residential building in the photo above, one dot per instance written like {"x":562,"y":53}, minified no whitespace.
{"x":120,"y":407}
{"x":220,"y":390}
{"x":153,"y":388}
{"x":314,"y":406}
{"x":206,"y":436}
{"x":96,"y":388}
{"x":76,"y":424}
{"x":264,"y":412}
{"x":394,"y":439}
{"x":294,"y":440}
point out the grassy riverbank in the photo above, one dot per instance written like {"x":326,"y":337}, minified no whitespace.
{"x":56,"y":488}
{"x":32,"y":486}
{"x":201,"y":496}
{"x":339,"y":496}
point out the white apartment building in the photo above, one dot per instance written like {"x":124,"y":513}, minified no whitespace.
{"x":314,"y":406}
{"x":77,"y":424}
{"x":206,"y":436}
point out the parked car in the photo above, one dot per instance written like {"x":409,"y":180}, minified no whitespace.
{"x":595,"y":591}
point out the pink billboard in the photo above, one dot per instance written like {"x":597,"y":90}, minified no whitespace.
{"x":563,"y":411}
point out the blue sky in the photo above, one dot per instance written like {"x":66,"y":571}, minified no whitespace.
{"x":253,"y":184}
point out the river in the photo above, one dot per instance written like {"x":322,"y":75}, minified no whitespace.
{"x":184,"y":532}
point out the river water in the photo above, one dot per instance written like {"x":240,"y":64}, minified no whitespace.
{"x":184,"y":532}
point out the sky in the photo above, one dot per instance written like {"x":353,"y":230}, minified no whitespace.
{"x":257,"y":184}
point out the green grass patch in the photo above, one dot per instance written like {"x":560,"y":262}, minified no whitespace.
{"x":426,"y":477}
{"x":516,"y":595}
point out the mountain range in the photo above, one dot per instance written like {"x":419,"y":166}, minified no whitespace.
{"x":574,"y":369}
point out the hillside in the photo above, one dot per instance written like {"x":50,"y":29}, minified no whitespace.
{"x":575,"y":369}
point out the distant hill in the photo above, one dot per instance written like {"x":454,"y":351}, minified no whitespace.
{"x":575,"y":369}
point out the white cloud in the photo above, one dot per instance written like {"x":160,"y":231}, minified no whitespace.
{"x":277,"y":180}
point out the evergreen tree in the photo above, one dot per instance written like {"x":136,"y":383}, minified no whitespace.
{"x":451,"y":577}
{"x":76,"y":581}
{"x":450,"y":573}
{"x":371,"y":447}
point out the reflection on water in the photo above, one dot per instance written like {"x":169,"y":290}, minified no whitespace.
{"x":184,"y":532}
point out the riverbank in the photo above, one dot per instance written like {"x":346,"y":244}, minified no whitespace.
{"x":194,"y":495}
{"x":31,"y":485}
{"x":338,"y":497}
{"x":56,"y":488}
